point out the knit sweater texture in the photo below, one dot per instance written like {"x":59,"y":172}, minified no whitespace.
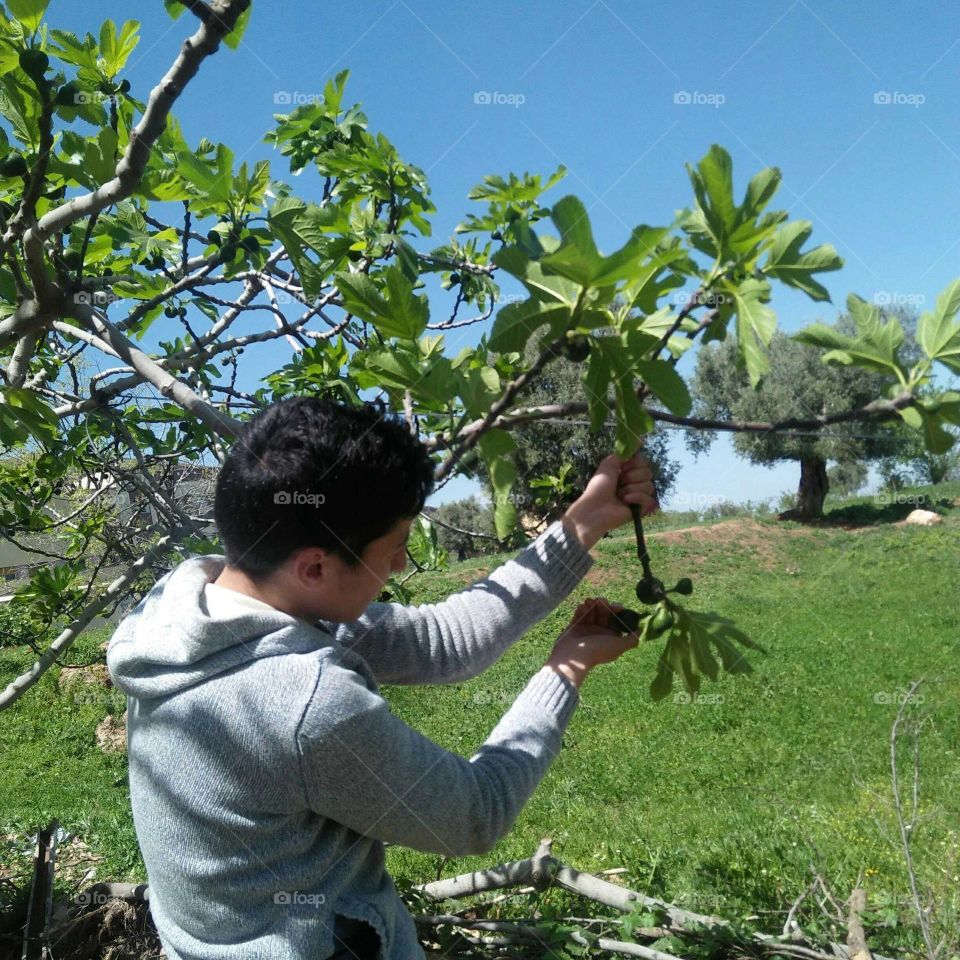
{"x":266,"y":770}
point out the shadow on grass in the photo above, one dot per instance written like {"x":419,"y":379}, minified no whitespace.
{"x":880,"y":511}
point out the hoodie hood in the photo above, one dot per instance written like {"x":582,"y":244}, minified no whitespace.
{"x":169,"y":641}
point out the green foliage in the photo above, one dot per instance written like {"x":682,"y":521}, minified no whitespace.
{"x":797,"y":386}
{"x":469,"y":515}
{"x":847,"y":476}
{"x":878,"y":345}
{"x":570,"y":451}
{"x":687,"y":652}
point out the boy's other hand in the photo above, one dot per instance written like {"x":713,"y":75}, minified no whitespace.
{"x":588,"y":641}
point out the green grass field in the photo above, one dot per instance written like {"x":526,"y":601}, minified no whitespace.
{"x":718,"y":805}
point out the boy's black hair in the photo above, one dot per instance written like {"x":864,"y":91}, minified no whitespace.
{"x":310,"y":472}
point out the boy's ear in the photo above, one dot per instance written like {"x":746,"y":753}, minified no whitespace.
{"x":309,"y":565}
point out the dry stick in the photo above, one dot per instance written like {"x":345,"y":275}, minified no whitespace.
{"x":40,"y":904}
{"x":21,"y":684}
{"x":856,"y":937}
{"x":906,"y":829}
{"x":540,"y":868}
{"x":790,"y":929}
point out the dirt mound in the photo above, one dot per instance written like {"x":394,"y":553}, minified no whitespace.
{"x":112,"y":733}
{"x":96,"y":675}
{"x":761,"y":539}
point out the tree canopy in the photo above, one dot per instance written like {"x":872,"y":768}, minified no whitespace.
{"x":139,"y":272}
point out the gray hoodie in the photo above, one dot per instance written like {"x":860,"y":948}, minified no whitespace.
{"x":266,"y":770}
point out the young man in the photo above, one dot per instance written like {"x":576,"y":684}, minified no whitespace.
{"x":265,"y":768}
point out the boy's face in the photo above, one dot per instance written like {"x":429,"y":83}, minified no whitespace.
{"x":329,"y":589}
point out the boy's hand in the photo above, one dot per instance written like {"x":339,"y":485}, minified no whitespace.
{"x":588,"y":641}
{"x":605,"y":502}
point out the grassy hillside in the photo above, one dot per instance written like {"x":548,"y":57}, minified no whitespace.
{"x":718,"y":805}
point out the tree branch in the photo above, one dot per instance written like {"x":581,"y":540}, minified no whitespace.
{"x":21,"y":684}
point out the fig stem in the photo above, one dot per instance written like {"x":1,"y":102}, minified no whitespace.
{"x":642,"y":553}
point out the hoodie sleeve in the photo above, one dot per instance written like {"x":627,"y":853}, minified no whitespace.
{"x":460,"y":637}
{"x":367,"y":769}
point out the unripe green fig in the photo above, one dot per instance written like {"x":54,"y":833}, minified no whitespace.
{"x":214,"y":238}
{"x":67,"y":95}
{"x":13,"y":166}
{"x":170,"y":312}
{"x":34,"y":63}
{"x":250,"y":244}
{"x":647,"y":592}
{"x":229,"y":250}
{"x":577,"y":348}
{"x":124,"y":86}
{"x":684,"y":586}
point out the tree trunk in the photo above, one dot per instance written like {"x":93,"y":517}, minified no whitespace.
{"x":813,"y":488}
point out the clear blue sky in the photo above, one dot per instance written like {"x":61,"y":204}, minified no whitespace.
{"x":788,"y":84}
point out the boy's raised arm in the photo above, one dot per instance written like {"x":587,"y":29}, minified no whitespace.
{"x":461,"y":636}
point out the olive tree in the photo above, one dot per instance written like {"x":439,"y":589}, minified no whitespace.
{"x":169,"y":264}
{"x":797,"y":384}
